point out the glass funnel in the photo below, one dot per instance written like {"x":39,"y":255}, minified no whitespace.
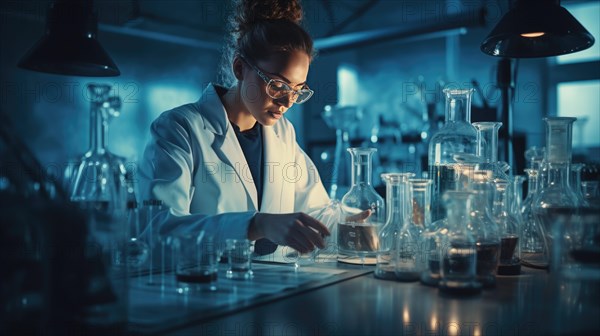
{"x":456,"y":136}
{"x":344,"y":120}
{"x":557,"y":193}
{"x":457,"y":246}
{"x":396,"y":196}
{"x":99,"y":189}
{"x":357,"y":235}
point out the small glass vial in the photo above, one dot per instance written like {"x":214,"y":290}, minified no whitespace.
{"x":396,"y":197}
{"x":458,"y":251}
{"x":356,"y":236}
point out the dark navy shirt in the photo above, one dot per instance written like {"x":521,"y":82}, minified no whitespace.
{"x":251,"y":142}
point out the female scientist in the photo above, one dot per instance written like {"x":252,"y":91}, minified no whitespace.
{"x":229,"y":164}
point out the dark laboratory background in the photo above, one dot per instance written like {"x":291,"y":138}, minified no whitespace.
{"x":395,"y":58}
{"x":382,"y":65}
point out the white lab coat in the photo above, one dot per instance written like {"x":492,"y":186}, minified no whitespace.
{"x":195,"y":165}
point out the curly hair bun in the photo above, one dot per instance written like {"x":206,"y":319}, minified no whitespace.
{"x":249,"y":12}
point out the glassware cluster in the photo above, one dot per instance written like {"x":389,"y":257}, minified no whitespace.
{"x":477,"y":224}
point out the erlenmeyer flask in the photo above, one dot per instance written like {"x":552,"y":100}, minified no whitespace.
{"x":557,"y":194}
{"x":411,"y":255}
{"x":358,"y":236}
{"x":396,"y":190}
{"x":484,"y":229}
{"x":456,"y":136}
{"x":532,"y":242}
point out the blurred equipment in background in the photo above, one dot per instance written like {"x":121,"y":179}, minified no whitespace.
{"x":344,"y":120}
{"x":69,"y":45}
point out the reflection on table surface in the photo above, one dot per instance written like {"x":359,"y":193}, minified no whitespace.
{"x":336,"y":299}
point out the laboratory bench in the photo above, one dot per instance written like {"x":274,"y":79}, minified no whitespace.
{"x":334,"y":298}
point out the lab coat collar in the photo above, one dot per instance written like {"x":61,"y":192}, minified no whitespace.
{"x":215,"y":120}
{"x":212,"y":111}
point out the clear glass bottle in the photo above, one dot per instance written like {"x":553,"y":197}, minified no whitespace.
{"x":396,"y":196}
{"x":557,"y":193}
{"x":509,"y":226}
{"x":356,"y":236}
{"x":484,"y":229}
{"x":456,"y":136}
{"x":457,"y":246}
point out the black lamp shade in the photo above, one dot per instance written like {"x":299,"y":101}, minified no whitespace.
{"x":69,"y":46}
{"x":537,"y":28}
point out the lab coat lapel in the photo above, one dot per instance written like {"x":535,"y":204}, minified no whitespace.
{"x":233,"y":155}
{"x":226,"y":144}
{"x":275,"y":152}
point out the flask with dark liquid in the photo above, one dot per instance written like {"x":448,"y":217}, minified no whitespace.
{"x":509,"y":225}
{"x":457,"y":247}
{"x":484,"y":229}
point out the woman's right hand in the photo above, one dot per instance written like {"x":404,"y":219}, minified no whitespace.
{"x":297,"y":230}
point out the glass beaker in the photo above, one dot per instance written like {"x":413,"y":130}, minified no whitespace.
{"x":359,"y":236}
{"x":458,"y":252}
{"x":509,"y":225}
{"x":396,"y":196}
{"x":484,"y":229}
{"x":99,"y":189}
{"x":558,"y":192}
{"x":487,"y":147}
{"x":456,"y":136}
{"x":344,"y":120}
